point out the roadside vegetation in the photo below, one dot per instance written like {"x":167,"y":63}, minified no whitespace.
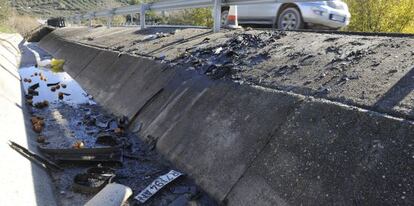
{"x":382,"y":15}
{"x":11,"y":21}
{"x":5,"y":10}
{"x":198,"y":17}
{"x":367,"y":16}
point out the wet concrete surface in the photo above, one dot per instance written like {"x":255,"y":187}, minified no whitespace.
{"x":77,"y":118}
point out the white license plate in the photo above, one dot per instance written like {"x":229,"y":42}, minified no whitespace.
{"x":156,"y":185}
{"x":337,"y":18}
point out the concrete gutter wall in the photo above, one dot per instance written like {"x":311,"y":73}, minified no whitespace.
{"x":248,"y":145}
{"x":22,"y":182}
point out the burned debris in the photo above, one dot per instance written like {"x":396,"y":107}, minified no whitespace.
{"x":224,"y":61}
{"x":92,"y":154}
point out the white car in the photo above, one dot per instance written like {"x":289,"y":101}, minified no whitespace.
{"x":330,"y":14}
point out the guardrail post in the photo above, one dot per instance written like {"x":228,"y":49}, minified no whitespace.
{"x":109,"y":23}
{"x":142,"y":15}
{"x":90,"y":22}
{"x":217,"y":15}
{"x":110,"y":18}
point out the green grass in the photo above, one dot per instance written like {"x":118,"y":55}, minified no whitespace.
{"x":6,"y":29}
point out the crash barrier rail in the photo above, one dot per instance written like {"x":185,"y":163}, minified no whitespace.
{"x":172,"y":5}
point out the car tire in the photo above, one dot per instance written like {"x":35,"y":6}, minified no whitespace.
{"x":290,"y":19}
{"x":224,"y":15}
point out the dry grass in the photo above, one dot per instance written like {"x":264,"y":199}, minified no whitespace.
{"x":22,"y":24}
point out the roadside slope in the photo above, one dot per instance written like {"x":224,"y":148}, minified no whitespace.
{"x":244,"y":144}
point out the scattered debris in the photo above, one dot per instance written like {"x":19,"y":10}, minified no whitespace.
{"x":33,"y":92}
{"x":93,"y":180}
{"x":43,"y":162}
{"x":99,"y":155}
{"x":53,"y":84}
{"x":29,"y":102}
{"x":41,"y":139}
{"x":106,"y":139}
{"x":37,"y":123}
{"x":119,"y":131}
{"x":90,"y":183}
{"x":78,"y":145}
{"x":62,"y":94}
{"x":224,"y":60}
{"x":105,"y":171}
{"x":152,"y":142}
{"x":34,"y":86}
{"x":156,"y":185}
{"x":123,"y":122}
{"x":101,"y":139}
{"x":57,"y":65}
{"x":41,"y":105}
{"x":218,"y":50}
{"x":392,"y":71}
{"x":112,"y":195}
{"x":155,"y":36}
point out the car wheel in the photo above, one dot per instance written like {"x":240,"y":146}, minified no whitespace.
{"x":290,"y":19}
{"x":224,"y":15}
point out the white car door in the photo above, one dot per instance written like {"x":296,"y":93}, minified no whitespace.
{"x":257,"y":12}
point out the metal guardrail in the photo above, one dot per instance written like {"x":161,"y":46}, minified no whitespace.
{"x":173,"y":5}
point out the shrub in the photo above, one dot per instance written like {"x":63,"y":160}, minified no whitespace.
{"x":381,"y":15}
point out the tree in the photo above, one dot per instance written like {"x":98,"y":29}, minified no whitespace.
{"x":5,"y":11}
{"x":381,"y":15}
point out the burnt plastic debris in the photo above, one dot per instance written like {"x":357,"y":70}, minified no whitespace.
{"x":34,"y":86}
{"x":32,"y":92}
{"x":41,"y":105}
{"x":105,"y":171}
{"x":43,"y":162}
{"x":107,"y":139}
{"x":93,"y":180}
{"x":227,"y":59}
{"x":85,"y":155}
{"x":53,"y":84}
{"x":90,"y":183}
{"x":152,"y":142}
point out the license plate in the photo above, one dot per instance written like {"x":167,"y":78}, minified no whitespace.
{"x":337,"y":18}
{"x":156,"y":185}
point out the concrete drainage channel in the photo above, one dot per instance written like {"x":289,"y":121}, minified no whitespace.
{"x":90,"y":154}
{"x":255,"y":118}
{"x":242,"y":140}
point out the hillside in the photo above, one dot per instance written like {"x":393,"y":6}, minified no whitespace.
{"x":49,"y":8}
